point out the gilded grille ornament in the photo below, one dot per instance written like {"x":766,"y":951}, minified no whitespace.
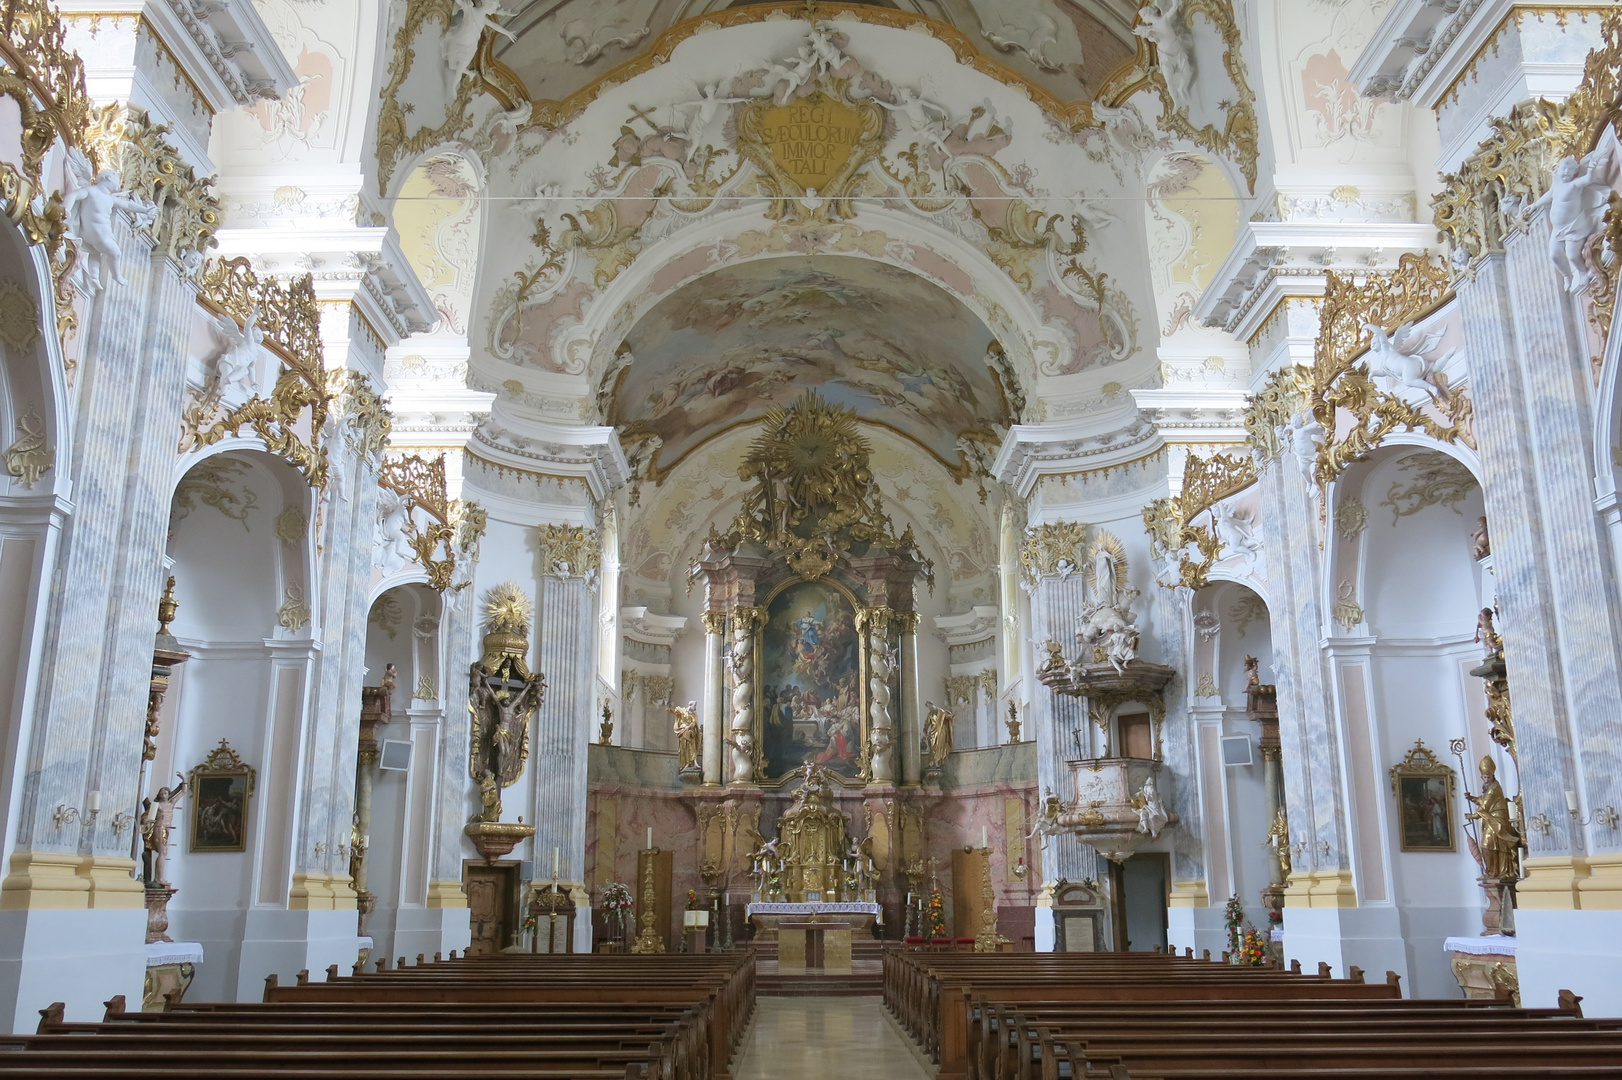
{"x":421,"y":482}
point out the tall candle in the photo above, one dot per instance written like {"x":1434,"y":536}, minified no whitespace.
{"x":983,"y":842}
{"x":554,"y":864}
{"x":650,"y":837}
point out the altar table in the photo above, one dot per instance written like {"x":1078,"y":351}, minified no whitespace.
{"x":767,"y":915}
{"x":813,"y":946}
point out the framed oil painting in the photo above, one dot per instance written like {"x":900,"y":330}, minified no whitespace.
{"x":811,"y":684}
{"x":1424,"y":790}
{"x":220,"y":788}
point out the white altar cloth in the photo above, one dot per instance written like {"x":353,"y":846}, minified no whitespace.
{"x":1480,"y":946}
{"x":780,"y":907}
{"x":159,"y":953}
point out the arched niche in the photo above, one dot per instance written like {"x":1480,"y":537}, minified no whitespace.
{"x":403,"y":630}
{"x":239,"y":552}
{"x":1406,"y":592}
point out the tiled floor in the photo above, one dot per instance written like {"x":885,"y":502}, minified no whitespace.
{"x":830,"y":1038}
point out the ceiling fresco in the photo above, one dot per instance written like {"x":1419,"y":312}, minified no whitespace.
{"x":723,"y":349}
{"x":1064,"y":47}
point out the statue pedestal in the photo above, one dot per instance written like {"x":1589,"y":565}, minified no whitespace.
{"x":157,"y":912}
{"x":1485,"y":967}
{"x":494,"y":839}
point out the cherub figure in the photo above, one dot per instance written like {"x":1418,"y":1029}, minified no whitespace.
{"x":88,"y":210}
{"x":1400,"y":357}
{"x":461,"y":41}
{"x":236,"y":365}
{"x":1576,"y":200}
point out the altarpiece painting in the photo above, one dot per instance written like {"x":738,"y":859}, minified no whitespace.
{"x":811,"y":693}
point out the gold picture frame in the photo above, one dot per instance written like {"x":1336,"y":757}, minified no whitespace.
{"x":1424,"y":789}
{"x":220,"y":789}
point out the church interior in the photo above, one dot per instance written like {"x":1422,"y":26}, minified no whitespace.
{"x":674,"y":539}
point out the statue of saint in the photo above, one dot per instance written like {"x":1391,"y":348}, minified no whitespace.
{"x":1278,"y":838}
{"x":157,"y":818}
{"x":1492,"y":644}
{"x":937,"y":734}
{"x":689,"y":741}
{"x":1500,"y":844}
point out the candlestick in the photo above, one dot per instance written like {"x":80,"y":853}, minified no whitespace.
{"x":650,"y":837}
{"x":554,"y":864}
{"x":983,"y":842}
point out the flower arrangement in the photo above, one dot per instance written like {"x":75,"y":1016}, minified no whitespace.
{"x":617,"y":897}
{"x":1252,"y":950}
{"x":1234,"y":920}
{"x":692,"y":899}
{"x":935,"y":914}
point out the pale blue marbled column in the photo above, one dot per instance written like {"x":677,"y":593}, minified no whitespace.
{"x":1314,"y":783}
{"x":77,"y":661}
{"x":564,"y":632}
{"x":454,"y":802}
{"x":1055,"y":613}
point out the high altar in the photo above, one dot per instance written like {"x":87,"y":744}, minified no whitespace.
{"x":810,"y":635}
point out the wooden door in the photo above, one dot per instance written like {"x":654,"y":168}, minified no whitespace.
{"x":491,"y":906}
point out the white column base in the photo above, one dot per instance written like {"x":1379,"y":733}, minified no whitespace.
{"x":282,"y":943}
{"x":1580,"y":951}
{"x":1046,"y":931}
{"x":1369,"y":938}
{"x":430,"y":930}
{"x":79,"y":957}
{"x":1197,"y":928}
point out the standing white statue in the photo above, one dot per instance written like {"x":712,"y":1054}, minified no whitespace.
{"x":88,"y":208}
{"x":1164,"y":25}
{"x":236,"y":368}
{"x":462,"y":40}
{"x":1400,"y":358}
{"x":1106,"y":581}
{"x":1576,"y":200}
{"x":1152,"y":816}
{"x":1303,"y":434}
{"x":393,"y":516}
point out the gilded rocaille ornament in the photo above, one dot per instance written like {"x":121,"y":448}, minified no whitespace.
{"x":814,"y":496}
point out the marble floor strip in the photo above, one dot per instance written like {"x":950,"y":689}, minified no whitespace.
{"x":825,"y":1038}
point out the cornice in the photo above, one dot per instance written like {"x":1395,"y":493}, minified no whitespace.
{"x":969,"y":628}
{"x":651,"y":628}
{"x":590,"y":453}
{"x":1032,"y":451}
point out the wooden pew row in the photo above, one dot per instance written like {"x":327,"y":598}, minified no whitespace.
{"x":665,"y":1018}
{"x":1148,"y":1017}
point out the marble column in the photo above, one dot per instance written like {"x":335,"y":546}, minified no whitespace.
{"x":1057,"y":721}
{"x":82,"y":731}
{"x":565,"y":722}
{"x":715,"y":696}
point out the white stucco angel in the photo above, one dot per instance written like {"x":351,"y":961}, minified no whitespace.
{"x":1152,"y":816}
{"x":1236,"y":530}
{"x":1047,"y":819}
{"x":1576,"y":201}
{"x":784,"y":78}
{"x":393,"y":516}
{"x":1109,"y":627}
{"x":1399,"y":358}
{"x":461,"y":42}
{"x":1164,"y":25}
{"x":88,"y":207}
{"x":830,"y":58}
{"x":927,"y":118}
{"x":1303,"y":435}
{"x":704,"y":108}
{"x":236,"y":365}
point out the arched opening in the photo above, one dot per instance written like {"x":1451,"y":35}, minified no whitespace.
{"x":238,"y":552}
{"x":1409,"y":590}
{"x":401,"y":715}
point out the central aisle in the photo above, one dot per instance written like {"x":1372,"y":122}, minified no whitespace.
{"x":825,"y":1038}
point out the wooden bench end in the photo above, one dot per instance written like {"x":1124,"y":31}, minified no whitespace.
{"x":1572,"y":1003}
{"x":51,"y":1016}
{"x":114,"y":1006}
{"x":270,"y":984}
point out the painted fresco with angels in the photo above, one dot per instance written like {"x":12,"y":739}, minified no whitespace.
{"x":811,"y":697}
